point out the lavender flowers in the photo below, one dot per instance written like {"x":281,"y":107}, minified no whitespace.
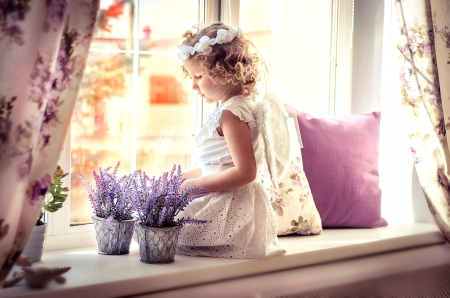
{"x":157,"y":201}
{"x":110,"y":196}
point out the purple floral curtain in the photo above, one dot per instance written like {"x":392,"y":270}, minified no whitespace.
{"x":424,"y":45}
{"x":44,"y":46}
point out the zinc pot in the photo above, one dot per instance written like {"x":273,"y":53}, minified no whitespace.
{"x":113,"y":237}
{"x":157,"y":245}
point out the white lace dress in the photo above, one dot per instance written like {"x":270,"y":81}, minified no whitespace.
{"x":240,"y":223}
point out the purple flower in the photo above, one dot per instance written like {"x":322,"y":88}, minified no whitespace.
{"x":157,"y":201}
{"x":10,"y":27}
{"x":406,"y":50}
{"x":426,"y":49}
{"x":296,"y":181}
{"x":445,"y":35}
{"x":56,"y":12}
{"x":110,"y":195}
{"x":24,"y":168}
{"x":443,"y":180}
{"x":417,"y":159}
{"x":40,"y":77}
{"x":92,"y":19}
{"x":11,"y":13}
{"x":403,"y":30}
{"x":50,"y":113}
{"x":54,"y":84}
{"x":45,"y":140}
{"x":5,"y":126}
{"x":441,"y":127}
{"x":40,"y":188}
{"x":64,"y":67}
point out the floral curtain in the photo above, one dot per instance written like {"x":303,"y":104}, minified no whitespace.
{"x":43,"y":46}
{"x":424,"y":46}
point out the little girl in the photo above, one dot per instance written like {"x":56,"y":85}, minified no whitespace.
{"x":240,"y":220}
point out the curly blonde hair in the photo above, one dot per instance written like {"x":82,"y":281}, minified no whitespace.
{"x":229,"y":62}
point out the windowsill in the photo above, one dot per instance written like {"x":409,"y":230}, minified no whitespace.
{"x":112,"y":276}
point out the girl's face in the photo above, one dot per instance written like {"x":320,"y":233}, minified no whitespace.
{"x":204,"y":85}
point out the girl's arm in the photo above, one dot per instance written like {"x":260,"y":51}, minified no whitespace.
{"x":192,"y":173}
{"x":237,"y":136}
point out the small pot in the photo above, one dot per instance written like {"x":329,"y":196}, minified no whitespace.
{"x":35,"y":245}
{"x":113,"y":237}
{"x":157,"y":245}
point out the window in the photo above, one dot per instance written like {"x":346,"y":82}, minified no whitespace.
{"x":162,"y":91}
{"x":297,"y":57}
{"x":132,"y":107}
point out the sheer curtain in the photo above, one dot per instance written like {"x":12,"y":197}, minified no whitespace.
{"x":44,"y":47}
{"x":424,"y":67}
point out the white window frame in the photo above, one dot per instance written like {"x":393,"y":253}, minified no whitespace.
{"x":61,"y":235}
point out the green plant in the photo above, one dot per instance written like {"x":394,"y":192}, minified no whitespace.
{"x":56,"y":195}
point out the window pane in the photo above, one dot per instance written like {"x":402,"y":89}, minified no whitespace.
{"x":101,"y":124}
{"x":114,"y":26}
{"x":166,"y":112}
{"x":294,"y":38}
{"x":132,"y":107}
{"x":165,"y":22}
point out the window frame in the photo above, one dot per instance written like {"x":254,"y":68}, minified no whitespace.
{"x":61,"y":235}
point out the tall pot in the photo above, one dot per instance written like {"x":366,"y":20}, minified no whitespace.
{"x":157,"y":245}
{"x":35,"y":245}
{"x":113,"y":237}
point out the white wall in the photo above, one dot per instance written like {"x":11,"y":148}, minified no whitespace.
{"x":375,"y":88}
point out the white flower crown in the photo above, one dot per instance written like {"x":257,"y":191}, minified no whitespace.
{"x":204,"y":44}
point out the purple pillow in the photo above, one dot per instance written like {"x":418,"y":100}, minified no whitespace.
{"x":340,"y":158}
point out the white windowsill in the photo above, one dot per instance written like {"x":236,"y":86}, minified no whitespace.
{"x":112,"y":276}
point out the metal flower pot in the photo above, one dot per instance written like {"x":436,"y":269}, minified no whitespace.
{"x":157,"y":245}
{"x":113,"y":237}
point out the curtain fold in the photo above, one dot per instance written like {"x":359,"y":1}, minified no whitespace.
{"x":44,"y":47}
{"x":423,"y":42}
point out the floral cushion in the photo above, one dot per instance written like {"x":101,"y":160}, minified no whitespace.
{"x":292,"y":200}
{"x":294,"y":205}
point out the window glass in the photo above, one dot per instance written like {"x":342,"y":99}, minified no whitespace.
{"x":132,"y":107}
{"x":101,"y":124}
{"x":293,"y":37}
{"x":166,"y":111}
{"x":114,"y":30}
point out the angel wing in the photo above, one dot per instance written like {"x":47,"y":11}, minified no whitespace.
{"x":275,"y":127}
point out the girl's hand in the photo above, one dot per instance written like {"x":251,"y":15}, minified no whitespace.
{"x":184,"y":185}
{"x":189,"y":182}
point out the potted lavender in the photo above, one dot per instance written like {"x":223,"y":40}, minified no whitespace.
{"x":113,"y":212}
{"x":157,"y":202}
